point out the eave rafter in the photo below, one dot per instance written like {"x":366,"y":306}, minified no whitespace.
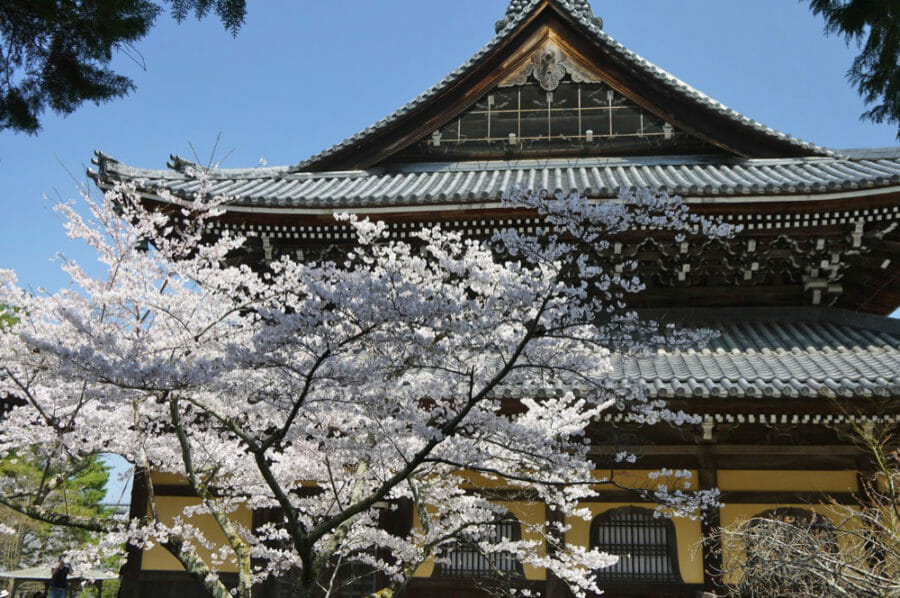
{"x":818,"y":258}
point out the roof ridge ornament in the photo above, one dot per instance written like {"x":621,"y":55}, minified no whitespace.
{"x":580,"y":9}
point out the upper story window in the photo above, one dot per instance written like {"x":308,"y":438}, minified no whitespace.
{"x":525,"y":120}
{"x":466,"y":559}
{"x":645,"y":544}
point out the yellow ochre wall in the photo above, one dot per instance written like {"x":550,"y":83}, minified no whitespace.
{"x":733,"y":551}
{"x":787,"y":481}
{"x":639,"y":479}
{"x":168,"y":478}
{"x":687,"y":531}
{"x":824,"y":482}
{"x":170,"y":507}
{"x":530,"y":513}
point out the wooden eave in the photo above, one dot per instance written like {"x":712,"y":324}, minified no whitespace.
{"x":546,"y":22}
{"x":871,"y":280}
{"x":457,"y":212}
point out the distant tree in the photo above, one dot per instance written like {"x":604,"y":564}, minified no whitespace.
{"x":80,"y":492}
{"x":875,"y":27}
{"x":55,"y":54}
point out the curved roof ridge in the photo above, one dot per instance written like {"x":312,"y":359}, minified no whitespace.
{"x":454,"y":76}
{"x":580,"y":8}
{"x":521,"y":10}
{"x":178,"y":168}
{"x":701,"y":97}
{"x":415,"y":184}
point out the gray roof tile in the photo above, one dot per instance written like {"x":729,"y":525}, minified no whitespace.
{"x":436,"y":183}
{"x":791,"y":353}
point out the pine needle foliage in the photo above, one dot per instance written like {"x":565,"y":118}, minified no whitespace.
{"x":874,"y":26}
{"x":55,"y":54}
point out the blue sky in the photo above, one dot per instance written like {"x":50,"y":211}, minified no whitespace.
{"x":304,"y":74}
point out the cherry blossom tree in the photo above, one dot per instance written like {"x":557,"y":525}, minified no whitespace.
{"x":329,"y":391}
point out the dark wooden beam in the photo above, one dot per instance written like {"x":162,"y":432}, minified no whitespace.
{"x":737,"y":497}
{"x":131,"y":575}
{"x":710,"y":523}
{"x":555,"y":587}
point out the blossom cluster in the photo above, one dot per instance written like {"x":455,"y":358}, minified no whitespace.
{"x":330,"y":392}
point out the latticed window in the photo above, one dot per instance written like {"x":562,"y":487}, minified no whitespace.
{"x":573,"y":119}
{"x":645,"y":545}
{"x":466,"y":559}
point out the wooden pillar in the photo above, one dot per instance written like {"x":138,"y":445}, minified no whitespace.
{"x":554,"y":587}
{"x":397,"y":522}
{"x":259,"y":518}
{"x":709,"y":526}
{"x":130,"y":577}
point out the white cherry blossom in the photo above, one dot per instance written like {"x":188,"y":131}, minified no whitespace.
{"x":333,"y":393}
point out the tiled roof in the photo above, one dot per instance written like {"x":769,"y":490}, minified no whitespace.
{"x":433,"y":183}
{"x":581,"y":8}
{"x":580,"y":11}
{"x":777,"y":355}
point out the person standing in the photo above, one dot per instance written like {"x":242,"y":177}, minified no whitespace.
{"x":59,"y":580}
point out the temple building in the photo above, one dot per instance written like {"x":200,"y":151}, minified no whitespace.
{"x":801,"y":295}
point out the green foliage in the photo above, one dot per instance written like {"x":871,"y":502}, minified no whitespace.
{"x":80,"y":493}
{"x":874,"y":25}
{"x":110,"y":590}
{"x":7,"y":316}
{"x":55,"y":54}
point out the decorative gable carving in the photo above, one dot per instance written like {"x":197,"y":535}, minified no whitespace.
{"x":549,"y":65}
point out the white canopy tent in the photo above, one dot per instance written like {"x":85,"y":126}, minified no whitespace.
{"x":38,"y":578}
